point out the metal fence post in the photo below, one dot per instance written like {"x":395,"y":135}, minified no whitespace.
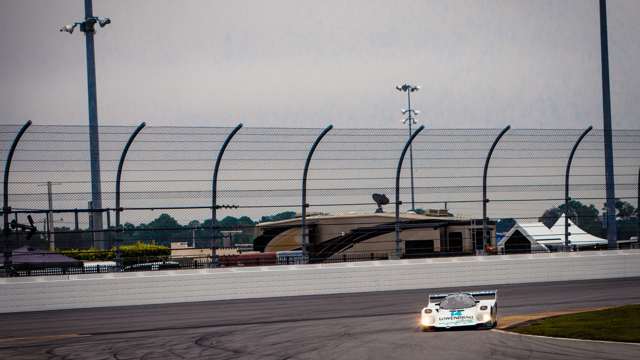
{"x":398,"y":171}
{"x":118,"y":178}
{"x":5,"y":196}
{"x":638,"y":210}
{"x":214,"y":184}
{"x":303,"y":219}
{"x":485,"y":230}
{"x":566,"y":186}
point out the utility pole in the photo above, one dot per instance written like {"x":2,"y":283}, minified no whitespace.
{"x":408,"y":88}
{"x":50,"y":225}
{"x":88,"y":28}
{"x":612,"y":229}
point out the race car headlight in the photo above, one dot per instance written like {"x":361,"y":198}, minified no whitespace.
{"x":428,"y":311}
{"x":483,"y":307}
{"x":427,"y":320}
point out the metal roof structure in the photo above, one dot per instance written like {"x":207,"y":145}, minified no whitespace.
{"x":534,"y":232}
{"x":542,"y":237}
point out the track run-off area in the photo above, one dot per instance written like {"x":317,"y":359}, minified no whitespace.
{"x":376,"y":325}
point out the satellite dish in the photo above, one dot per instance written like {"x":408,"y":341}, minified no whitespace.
{"x":380,"y":199}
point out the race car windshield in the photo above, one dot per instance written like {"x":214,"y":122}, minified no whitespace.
{"x":458,"y":301}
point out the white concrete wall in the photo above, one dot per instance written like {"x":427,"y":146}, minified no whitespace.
{"x":81,"y":291}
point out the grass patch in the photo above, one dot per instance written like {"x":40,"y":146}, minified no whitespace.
{"x":616,"y":324}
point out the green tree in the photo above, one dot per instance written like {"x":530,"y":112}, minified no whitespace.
{"x":585,"y":216}
{"x":163,"y":229}
{"x":624,"y":209}
{"x":550,"y":216}
{"x":245,"y":221}
{"x":285,"y":215}
{"x":627,"y":228}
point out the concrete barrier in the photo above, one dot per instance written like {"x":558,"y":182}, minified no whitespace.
{"x":118,"y":289}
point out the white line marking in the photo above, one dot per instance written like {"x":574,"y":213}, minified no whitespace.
{"x":564,"y":338}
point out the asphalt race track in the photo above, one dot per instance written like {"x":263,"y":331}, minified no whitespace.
{"x":380,"y":325}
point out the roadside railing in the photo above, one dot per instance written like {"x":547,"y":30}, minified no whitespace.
{"x":181,"y":262}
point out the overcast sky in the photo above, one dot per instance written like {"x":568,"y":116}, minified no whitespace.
{"x":309,"y":63}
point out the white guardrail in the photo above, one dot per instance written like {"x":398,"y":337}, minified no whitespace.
{"x":175,"y":286}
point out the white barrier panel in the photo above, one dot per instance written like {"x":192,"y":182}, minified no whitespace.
{"x":118,"y":289}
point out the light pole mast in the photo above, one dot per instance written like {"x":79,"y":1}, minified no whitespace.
{"x":88,"y":28}
{"x":411,"y":113}
{"x":612,"y":229}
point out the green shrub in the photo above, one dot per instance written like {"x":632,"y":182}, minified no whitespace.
{"x":136,"y":252}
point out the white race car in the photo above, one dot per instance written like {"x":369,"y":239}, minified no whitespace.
{"x":476,"y":308}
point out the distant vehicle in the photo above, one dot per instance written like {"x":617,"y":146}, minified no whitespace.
{"x":160,"y":265}
{"x":99,"y":266}
{"x":464,"y":309}
{"x":290,"y":257}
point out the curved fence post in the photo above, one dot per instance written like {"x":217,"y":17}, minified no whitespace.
{"x":485,"y":230}
{"x":6,"y":209}
{"x":214,"y":184}
{"x":118,"y":178}
{"x":303,"y":219}
{"x":398,"y":171}
{"x":566,"y":186}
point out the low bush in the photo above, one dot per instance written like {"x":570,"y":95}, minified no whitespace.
{"x":139,"y":250}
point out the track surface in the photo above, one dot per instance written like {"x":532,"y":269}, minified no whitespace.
{"x":379,"y":325}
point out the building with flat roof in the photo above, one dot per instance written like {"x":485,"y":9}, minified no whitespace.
{"x":332,"y":236}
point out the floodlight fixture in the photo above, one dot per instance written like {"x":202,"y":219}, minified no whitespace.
{"x":104,"y":22}
{"x":88,"y":25}
{"x":407,"y":87}
{"x":69,"y":28}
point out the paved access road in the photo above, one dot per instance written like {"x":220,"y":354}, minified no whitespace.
{"x":379,"y":325}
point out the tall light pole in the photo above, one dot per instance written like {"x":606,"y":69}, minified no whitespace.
{"x":88,"y":28}
{"x":612,"y":229}
{"x":410,"y":119}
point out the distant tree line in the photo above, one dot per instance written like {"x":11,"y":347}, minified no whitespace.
{"x":162,"y":231}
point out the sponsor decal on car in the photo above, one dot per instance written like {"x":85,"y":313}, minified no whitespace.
{"x":456,"y":317}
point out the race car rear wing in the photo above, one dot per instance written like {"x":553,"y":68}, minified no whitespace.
{"x":478,"y":295}
{"x":485,"y":295}
{"x":436,"y":298}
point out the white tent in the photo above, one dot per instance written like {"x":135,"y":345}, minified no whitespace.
{"x":577,"y":236}
{"x":533,"y":232}
{"x":541,"y":238}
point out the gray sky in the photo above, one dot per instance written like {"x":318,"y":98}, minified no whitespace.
{"x":302,"y":63}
